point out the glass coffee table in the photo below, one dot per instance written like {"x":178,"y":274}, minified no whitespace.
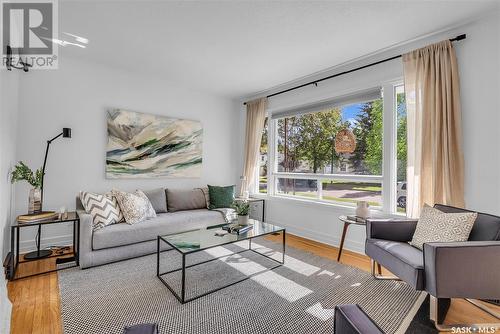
{"x":195,"y":241}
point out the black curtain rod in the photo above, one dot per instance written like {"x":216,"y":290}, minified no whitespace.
{"x":315,"y":82}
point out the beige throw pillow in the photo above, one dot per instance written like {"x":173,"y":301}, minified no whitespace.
{"x":135,"y":206}
{"x":437,"y":226}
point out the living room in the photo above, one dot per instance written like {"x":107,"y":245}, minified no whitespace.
{"x":250,"y":167}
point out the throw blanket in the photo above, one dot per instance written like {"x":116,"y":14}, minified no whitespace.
{"x":228,"y":213}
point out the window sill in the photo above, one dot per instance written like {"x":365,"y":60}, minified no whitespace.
{"x":376,"y":211}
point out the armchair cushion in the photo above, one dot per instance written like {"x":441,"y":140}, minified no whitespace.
{"x":390,"y":229}
{"x":467,"y":269}
{"x":486,"y":226}
{"x":401,"y":259}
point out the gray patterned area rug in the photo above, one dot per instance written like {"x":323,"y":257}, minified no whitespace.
{"x":298,"y":297}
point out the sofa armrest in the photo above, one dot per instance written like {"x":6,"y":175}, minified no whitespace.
{"x":468,"y":269}
{"x":85,"y":235}
{"x":390,"y":229}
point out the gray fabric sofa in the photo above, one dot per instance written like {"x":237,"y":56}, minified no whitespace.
{"x":445,"y":270}
{"x":122,"y":241}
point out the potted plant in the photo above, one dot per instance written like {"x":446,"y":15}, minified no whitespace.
{"x":22,"y":172}
{"x":242,"y":209}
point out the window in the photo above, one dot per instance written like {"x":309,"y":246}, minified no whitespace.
{"x":401,"y":148}
{"x":303,"y":162}
{"x":263,"y":159}
{"x":306,"y":144}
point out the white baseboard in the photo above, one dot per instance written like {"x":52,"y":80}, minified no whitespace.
{"x":352,"y":245}
{"x":30,"y":245}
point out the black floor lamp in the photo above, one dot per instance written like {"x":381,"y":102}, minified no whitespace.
{"x":38,"y":254}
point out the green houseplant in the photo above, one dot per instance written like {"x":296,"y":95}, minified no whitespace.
{"x":22,"y":172}
{"x":242,"y":209}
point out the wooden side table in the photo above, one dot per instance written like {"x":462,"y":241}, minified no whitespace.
{"x":346,"y":222}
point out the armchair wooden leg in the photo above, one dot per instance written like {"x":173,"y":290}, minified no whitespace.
{"x":439,"y":307}
{"x":379,"y":270}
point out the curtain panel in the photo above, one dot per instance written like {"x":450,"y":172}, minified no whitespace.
{"x":435,"y":156}
{"x":256,"y":116}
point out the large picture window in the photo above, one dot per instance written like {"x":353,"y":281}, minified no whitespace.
{"x":306,"y":144}
{"x":299,"y":159}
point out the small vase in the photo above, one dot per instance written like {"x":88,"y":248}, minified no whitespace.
{"x":362,"y":209}
{"x":35,"y":201}
{"x":243,"y":220}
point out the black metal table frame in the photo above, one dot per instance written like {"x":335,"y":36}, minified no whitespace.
{"x":182,"y":297}
{"x":14,"y":234}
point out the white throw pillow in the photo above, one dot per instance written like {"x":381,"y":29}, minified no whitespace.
{"x":103,"y":208}
{"x":135,"y":206}
{"x":437,"y":226}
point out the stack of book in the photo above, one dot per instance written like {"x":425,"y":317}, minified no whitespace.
{"x":37,"y":217}
{"x":357,"y":219}
{"x":237,"y":228}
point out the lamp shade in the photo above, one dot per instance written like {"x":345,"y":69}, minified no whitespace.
{"x":67,"y":132}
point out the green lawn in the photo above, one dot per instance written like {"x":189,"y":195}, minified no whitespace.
{"x":263,"y":179}
{"x":361,"y":186}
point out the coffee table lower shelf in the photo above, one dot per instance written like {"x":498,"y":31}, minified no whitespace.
{"x":182,"y":296}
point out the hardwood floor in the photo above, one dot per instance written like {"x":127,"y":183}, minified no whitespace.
{"x":36,"y":306}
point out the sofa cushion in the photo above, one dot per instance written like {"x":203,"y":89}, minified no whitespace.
{"x":192,"y":199}
{"x":221,"y":197}
{"x":164,"y":223}
{"x":486,"y":227}
{"x":158,"y":199}
{"x":400,"y":258}
{"x":103,"y":208}
{"x":135,"y":206}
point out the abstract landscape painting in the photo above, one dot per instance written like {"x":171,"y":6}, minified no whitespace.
{"x":146,"y":146}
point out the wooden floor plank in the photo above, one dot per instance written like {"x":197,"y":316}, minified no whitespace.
{"x":36,"y":302}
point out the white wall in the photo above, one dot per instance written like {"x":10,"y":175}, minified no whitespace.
{"x":478,"y":58}
{"x":77,"y":95}
{"x":9,"y":85}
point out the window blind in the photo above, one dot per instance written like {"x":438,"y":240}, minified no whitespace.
{"x":358,"y":97}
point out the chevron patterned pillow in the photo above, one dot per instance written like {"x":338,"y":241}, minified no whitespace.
{"x":437,"y":226}
{"x":103,"y":208}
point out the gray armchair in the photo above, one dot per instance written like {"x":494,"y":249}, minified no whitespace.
{"x":445,"y":270}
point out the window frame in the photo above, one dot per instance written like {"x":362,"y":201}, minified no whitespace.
{"x":388,"y":179}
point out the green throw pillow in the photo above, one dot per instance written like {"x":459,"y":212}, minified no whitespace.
{"x":220,"y":197}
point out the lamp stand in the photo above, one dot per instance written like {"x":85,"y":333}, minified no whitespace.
{"x":39,"y":253}
{"x":42,"y":253}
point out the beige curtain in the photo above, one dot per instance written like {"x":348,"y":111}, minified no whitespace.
{"x":435,"y":158}
{"x":256,"y":116}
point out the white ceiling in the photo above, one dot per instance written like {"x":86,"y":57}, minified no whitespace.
{"x":241,"y":47}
